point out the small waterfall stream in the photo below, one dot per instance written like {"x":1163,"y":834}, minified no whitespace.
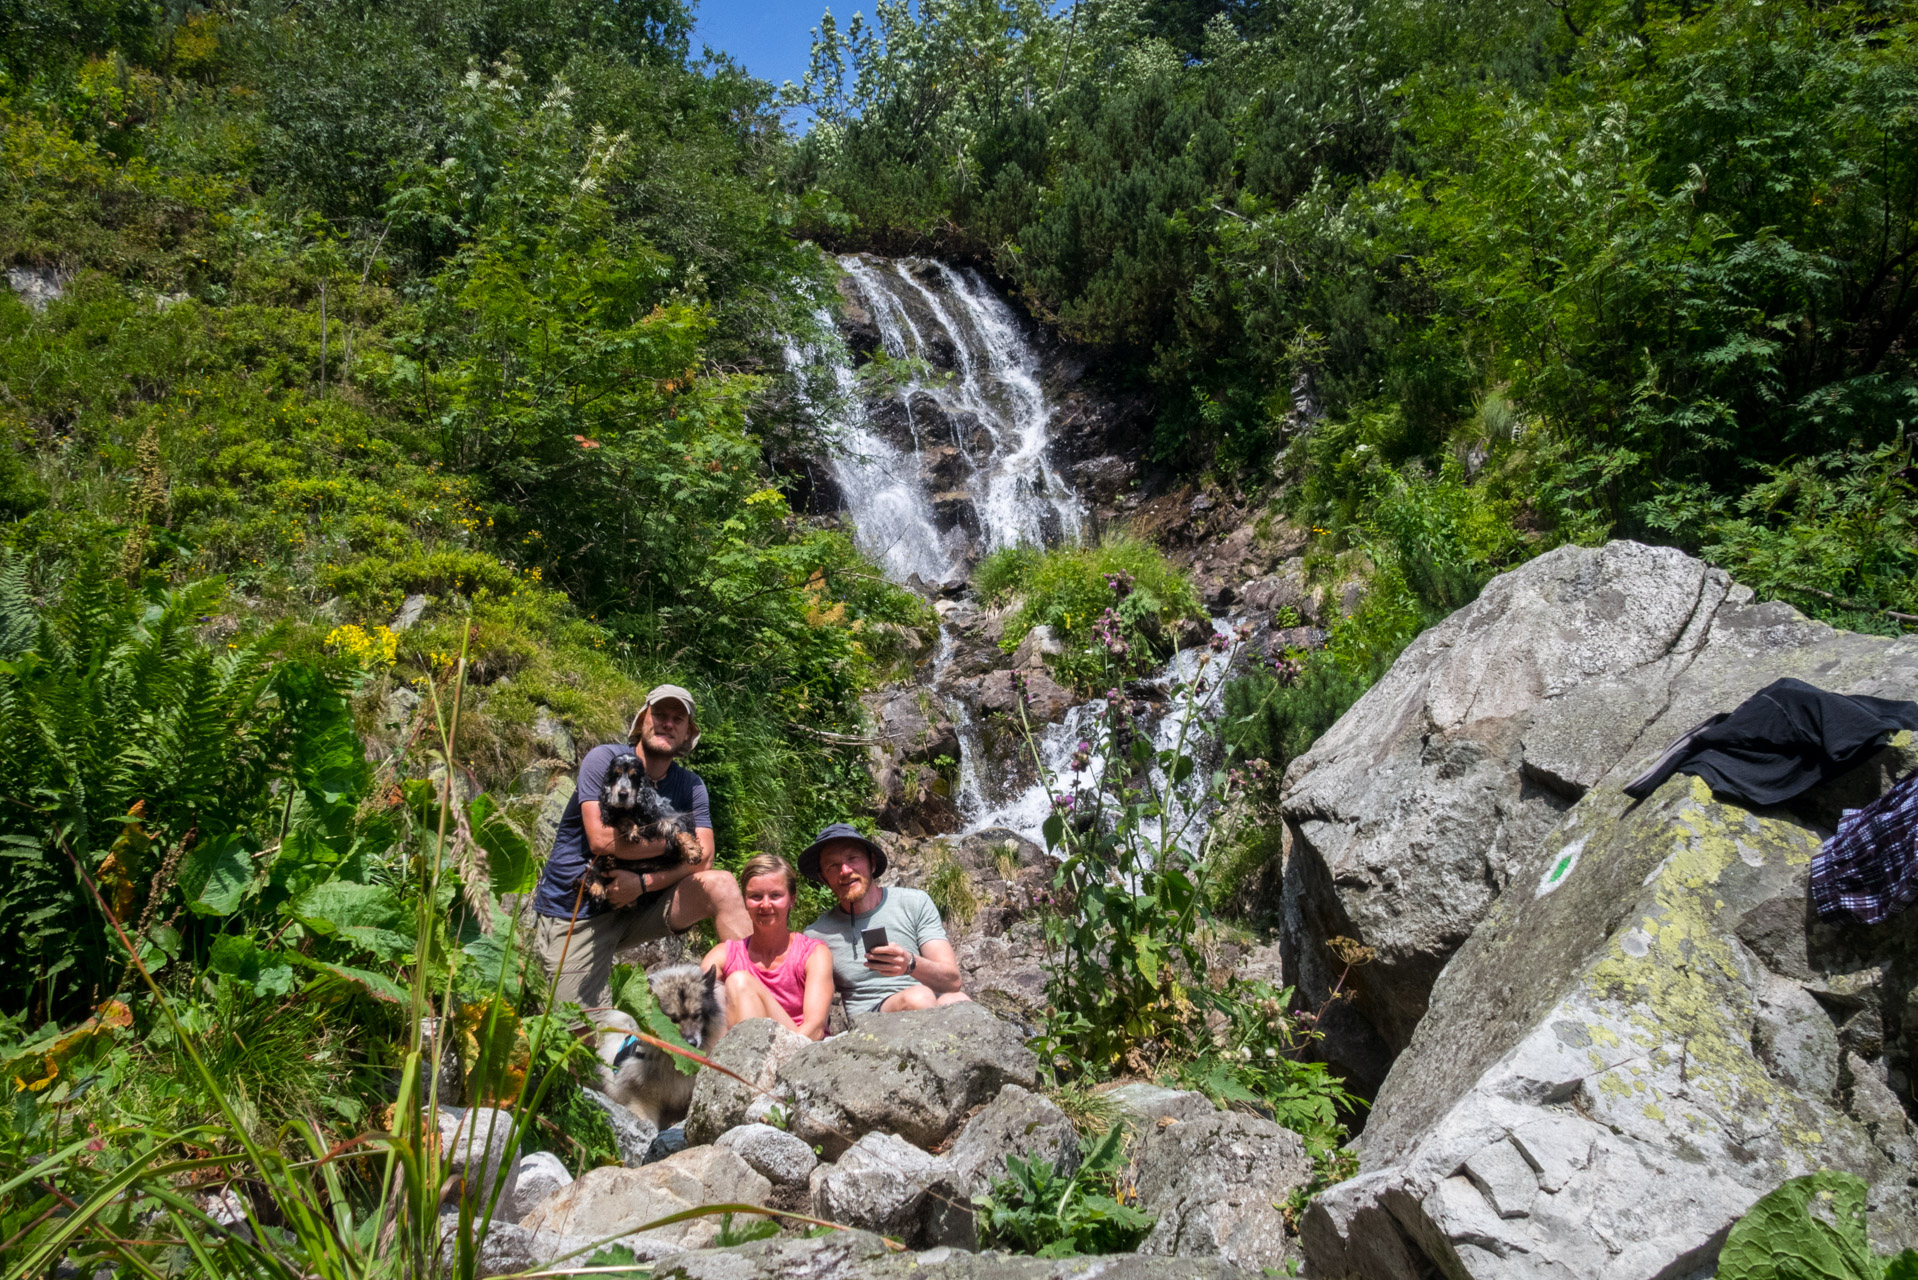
{"x":948,"y":464}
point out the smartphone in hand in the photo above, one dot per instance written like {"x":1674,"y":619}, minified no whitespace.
{"x":873,"y":938}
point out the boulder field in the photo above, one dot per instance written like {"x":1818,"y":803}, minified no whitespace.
{"x":1595,"y":1030}
{"x":892,"y":1128}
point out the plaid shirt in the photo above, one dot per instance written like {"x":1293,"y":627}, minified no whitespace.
{"x":1868,"y":872}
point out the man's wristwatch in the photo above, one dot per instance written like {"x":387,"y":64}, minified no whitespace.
{"x":912,"y":962}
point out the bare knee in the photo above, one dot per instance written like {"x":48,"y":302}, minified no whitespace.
{"x":954,"y":997}
{"x":742,"y":998}
{"x":917,"y":996}
{"x":716,"y":887}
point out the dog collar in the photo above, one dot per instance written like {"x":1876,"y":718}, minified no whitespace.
{"x":629,"y":1048}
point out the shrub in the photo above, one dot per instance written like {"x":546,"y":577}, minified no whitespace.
{"x":135,"y":753}
{"x":1036,"y":1211}
{"x":1116,"y":608}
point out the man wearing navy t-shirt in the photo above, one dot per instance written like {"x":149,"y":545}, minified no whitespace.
{"x":578,"y":935}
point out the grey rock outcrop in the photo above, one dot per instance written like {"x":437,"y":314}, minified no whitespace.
{"x":782,"y":1159}
{"x":37,"y":286}
{"x":539,"y":1174}
{"x":1142,"y":1104}
{"x":473,"y":1146}
{"x":614,"y":1202}
{"x":634,"y":1135}
{"x":911,"y":733}
{"x":879,"y":1184}
{"x":756,"y":1049}
{"x":1000,"y":692}
{"x":1215,"y":1184}
{"x":1406,"y":821}
{"x":911,"y":1074}
{"x":857,"y":1255}
{"x":1644,"y":1035}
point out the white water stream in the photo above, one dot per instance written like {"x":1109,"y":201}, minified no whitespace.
{"x":949,"y":464}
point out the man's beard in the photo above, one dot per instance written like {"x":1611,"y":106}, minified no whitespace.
{"x":668,"y":753}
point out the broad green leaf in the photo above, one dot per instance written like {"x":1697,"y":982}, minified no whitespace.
{"x":216,"y":875}
{"x":379,"y":986}
{"x":266,"y":972}
{"x":1054,"y":829}
{"x":1810,"y":1228}
{"x":338,"y":904}
{"x":511,"y":864}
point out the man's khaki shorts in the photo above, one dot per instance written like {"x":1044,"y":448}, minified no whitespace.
{"x":588,"y":970}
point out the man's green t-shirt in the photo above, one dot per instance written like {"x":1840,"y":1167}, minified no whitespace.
{"x":910,"y":920}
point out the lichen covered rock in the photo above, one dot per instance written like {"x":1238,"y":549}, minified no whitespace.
{"x":1642,"y":1037}
{"x":1411,"y":816}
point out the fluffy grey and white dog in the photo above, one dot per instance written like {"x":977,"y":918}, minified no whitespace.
{"x":643,"y":1079}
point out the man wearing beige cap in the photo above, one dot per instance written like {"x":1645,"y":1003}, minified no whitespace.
{"x":577,"y":935}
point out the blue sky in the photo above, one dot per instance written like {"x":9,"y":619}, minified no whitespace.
{"x":770,"y":38}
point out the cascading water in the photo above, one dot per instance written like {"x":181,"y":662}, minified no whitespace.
{"x":948,"y":464}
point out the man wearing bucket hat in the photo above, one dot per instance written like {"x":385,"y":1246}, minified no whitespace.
{"x":577,"y":935}
{"x":915,"y":968}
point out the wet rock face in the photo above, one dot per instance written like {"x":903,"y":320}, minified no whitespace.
{"x":1642,"y":1037}
{"x":914,"y":752}
{"x":1408,"y":818}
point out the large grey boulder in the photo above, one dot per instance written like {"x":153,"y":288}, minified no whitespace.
{"x":880,"y":1184}
{"x":507,"y":1249}
{"x":1143,"y":1104}
{"x":1407,"y":820}
{"x":1019,"y":1123}
{"x":756,"y":1049}
{"x":857,"y":1255}
{"x":612,"y":1201}
{"x":913,"y":1074}
{"x":1215,"y":1183}
{"x":1643,"y":1036}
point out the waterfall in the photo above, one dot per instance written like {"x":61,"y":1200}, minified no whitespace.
{"x":973,"y":388}
{"x":946,"y":463}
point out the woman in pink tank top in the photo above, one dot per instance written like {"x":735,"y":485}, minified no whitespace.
{"x":775,"y":973}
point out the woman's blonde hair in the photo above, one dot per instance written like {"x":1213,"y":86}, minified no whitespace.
{"x":769,"y":864}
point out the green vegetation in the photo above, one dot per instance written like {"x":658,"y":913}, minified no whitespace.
{"x":1130,"y":991}
{"x":1810,"y":1226}
{"x":1034,"y":1210}
{"x":332,"y":310}
{"x":1114,"y":608}
{"x":1609,"y":269}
